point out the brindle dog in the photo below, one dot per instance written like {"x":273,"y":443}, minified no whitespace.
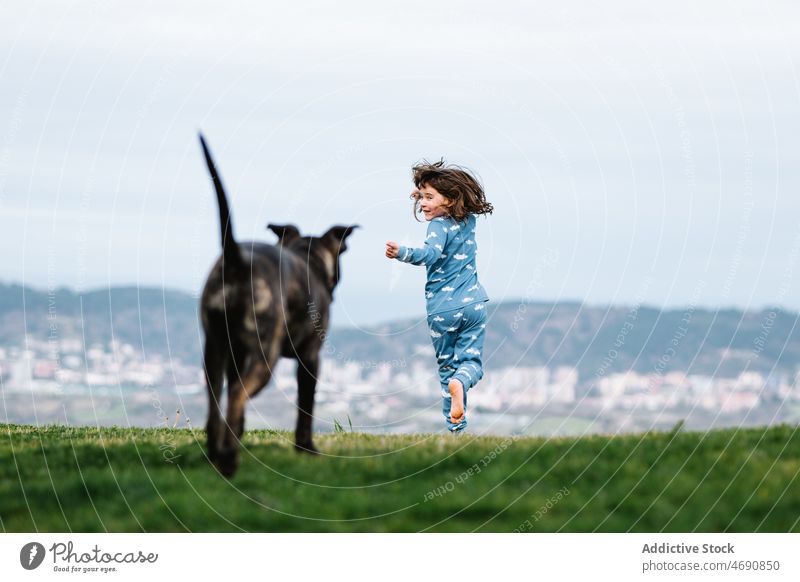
{"x":262,"y":302}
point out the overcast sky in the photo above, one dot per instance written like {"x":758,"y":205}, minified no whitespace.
{"x":632,"y":153}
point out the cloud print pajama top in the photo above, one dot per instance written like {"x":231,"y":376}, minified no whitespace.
{"x":455,"y":303}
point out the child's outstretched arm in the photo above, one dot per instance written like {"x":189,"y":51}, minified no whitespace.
{"x":430,"y":253}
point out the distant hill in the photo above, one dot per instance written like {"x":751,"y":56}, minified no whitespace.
{"x":151,"y":319}
{"x":590,"y":338}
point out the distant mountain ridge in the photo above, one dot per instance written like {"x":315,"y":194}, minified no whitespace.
{"x":595,"y":340}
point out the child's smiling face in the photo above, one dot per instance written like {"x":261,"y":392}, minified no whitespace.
{"x":432,"y":203}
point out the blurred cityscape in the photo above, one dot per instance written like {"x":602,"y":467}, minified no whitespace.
{"x":57,"y":381}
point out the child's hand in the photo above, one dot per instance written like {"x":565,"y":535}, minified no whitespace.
{"x":392,"y":249}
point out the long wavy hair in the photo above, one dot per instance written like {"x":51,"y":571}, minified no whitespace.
{"x":455,"y":183}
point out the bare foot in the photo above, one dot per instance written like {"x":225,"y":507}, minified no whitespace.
{"x":456,"y":390}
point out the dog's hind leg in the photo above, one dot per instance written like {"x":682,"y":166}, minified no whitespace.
{"x":307,"y":368}
{"x":214,"y":365}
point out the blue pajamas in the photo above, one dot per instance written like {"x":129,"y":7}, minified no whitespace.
{"x":457,"y":338}
{"x":455,"y":301}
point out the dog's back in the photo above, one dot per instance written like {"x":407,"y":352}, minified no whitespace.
{"x":265,"y":302}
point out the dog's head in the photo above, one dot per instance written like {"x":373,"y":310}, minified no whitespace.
{"x":321,"y":252}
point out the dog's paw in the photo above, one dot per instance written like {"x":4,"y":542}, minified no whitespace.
{"x":227,"y":461}
{"x":212,"y":450}
{"x":212,"y":442}
{"x":306,"y":448}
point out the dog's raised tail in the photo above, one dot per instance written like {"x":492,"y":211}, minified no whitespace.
{"x":232,"y":258}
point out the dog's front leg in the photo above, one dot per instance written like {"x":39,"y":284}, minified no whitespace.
{"x":307,"y":368}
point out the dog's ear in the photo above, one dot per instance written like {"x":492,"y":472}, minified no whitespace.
{"x":337,"y":235}
{"x":286,"y":232}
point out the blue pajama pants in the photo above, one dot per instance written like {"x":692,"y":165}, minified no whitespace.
{"x":457,"y":338}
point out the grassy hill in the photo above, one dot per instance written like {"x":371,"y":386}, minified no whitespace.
{"x":57,"y":478}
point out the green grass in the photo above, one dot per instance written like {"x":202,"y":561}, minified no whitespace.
{"x":57,"y":478}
